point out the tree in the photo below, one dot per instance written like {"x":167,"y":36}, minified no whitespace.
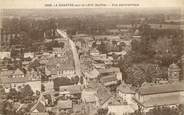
{"x":75,"y":79}
{"x":161,"y":111}
{"x":26,"y":93}
{"x":42,"y":88}
{"x":81,"y":80}
{"x":13,"y":94}
{"x":102,"y":111}
{"x":142,"y":72}
{"x":8,"y":108}
{"x":102,"y":48}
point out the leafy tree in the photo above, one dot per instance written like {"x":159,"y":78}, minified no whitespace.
{"x":102,"y":111}
{"x":26,"y":93}
{"x":81,"y":80}
{"x":42,"y":88}
{"x":75,"y":79}
{"x":13,"y":94}
{"x":8,"y":108}
{"x":143,"y":72}
{"x":102,"y":48}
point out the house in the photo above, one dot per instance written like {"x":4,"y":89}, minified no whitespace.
{"x":58,"y":51}
{"x":73,"y":91}
{"x":17,"y":79}
{"x":164,"y":26}
{"x":112,"y":70}
{"x":64,"y":105}
{"x":126,"y":92}
{"x":35,"y":85}
{"x":109,"y":80}
{"x":120,"y":109}
{"x":12,"y":79}
{"x":89,"y":96}
{"x":174,"y":72}
{"x":37,"y":113}
{"x":60,"y":67}
{"x":29,"y":55}
{"x":94,"y":52}
{"x":6,"y":73}
{"x":90,"y":99}
{"x":39,"y":106}
{"x":150,"y":95}
{"x":99,"y":65}
{"x":113,"y":31}
{"x":99,"y":57}
{"x":124,"y":26}
{"x":5,"y":55}
{"x":96,"y":95}
{"x":104,"y":96}
{"x":92,"y":74}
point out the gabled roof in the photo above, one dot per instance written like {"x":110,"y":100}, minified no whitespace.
{"x":18,"y":72}
{"x":38,"y":106}
{"x":60,"y":63}
{"x":103,"y":94}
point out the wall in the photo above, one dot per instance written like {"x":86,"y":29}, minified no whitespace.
{"x":126,"y":97}
{"x":35,"y":85}
{"x":4,"y":54}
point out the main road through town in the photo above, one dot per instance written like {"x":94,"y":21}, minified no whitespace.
{"x":74,"y":51}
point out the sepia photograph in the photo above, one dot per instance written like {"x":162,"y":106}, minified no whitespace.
{"x":97,"y":59}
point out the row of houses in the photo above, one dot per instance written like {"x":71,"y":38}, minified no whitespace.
{"x":17,"y":79}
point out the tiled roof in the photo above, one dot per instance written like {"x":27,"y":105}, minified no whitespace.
{"x":60,"y":64}
{"x":103,"y":94}
{"x":109,"y":70}
{"x":89,"y":95}
{"x":73,"y":89}
{"x":166,"y":100}
{"x":90,"y":98}
{"x":108,"y":79}
{"x":162,"y":88}
{"x":11,"y":72}
{"x":8,"y":80}
{"x":18,"y":72}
